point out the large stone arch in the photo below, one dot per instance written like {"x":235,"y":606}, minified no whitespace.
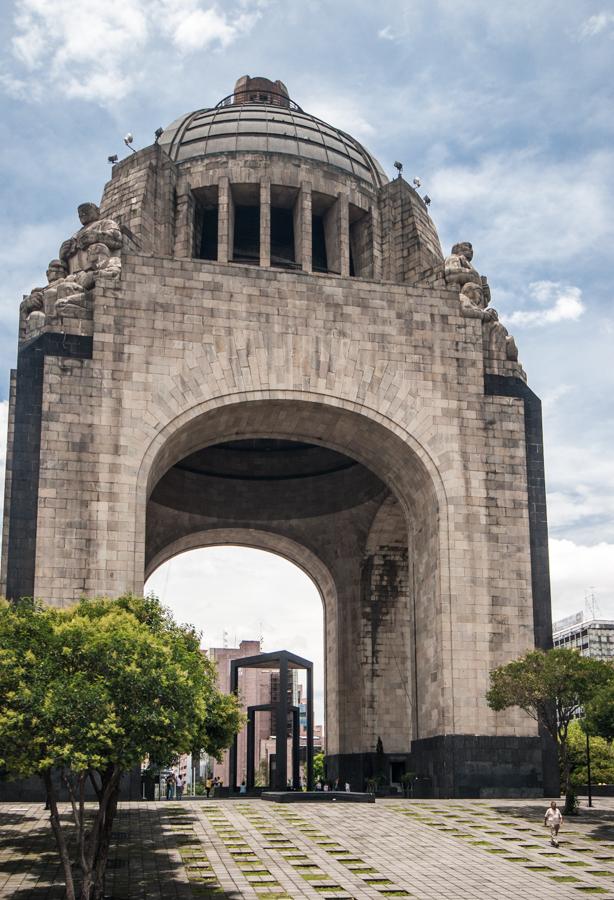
{"x":354,"y":660}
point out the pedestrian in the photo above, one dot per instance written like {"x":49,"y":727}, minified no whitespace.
{"x":208,"y":786}
{"x":347,"y":787}
{"x":243,"y":788}
{"x":170,"y":786}
{"x":336,"y":785}
{"x":179,"y":786}
{"x":553,"y":819}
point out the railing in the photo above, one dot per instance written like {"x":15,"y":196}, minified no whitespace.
{"x":270,"y":98}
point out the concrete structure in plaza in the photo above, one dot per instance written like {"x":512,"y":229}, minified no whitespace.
{"x":257,"y":340}
{"x":257,"y":687}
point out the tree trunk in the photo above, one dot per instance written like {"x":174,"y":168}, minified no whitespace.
{"x":570,"y":794}
{"x":106,"y":815}
{"x":60,"y":838}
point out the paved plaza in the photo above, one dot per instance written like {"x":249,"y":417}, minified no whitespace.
{"x":474,"y":850}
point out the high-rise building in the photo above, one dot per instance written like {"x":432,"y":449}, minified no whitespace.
{"x":592,"y":637}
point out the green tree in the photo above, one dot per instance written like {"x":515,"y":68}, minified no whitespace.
{"x":602,"y":756}
{"x":91,"y":691}
{"x":318,"y":767}
{"x":600,"y":712}
{"x":552,"y":687}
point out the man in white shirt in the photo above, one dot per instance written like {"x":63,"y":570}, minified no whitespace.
{"x":553,"y":819}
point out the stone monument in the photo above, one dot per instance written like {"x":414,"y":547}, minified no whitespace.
{"x":257,"y":340}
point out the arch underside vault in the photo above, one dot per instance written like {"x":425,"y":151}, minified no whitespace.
{"x":318,"y":485}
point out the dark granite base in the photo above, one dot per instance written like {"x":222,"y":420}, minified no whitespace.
{"x":460,"y":765}
{"x":31,"y":790}
{"x":317,"y":797}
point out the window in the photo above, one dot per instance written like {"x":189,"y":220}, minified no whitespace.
{"x":247,"y":234}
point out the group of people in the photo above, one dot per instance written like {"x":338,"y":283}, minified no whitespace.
{"x":332,"y":786}
{"x":175,"y":785}
{"x":211,"y":784}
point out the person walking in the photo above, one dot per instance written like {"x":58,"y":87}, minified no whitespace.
{"x":208,"y":786}
{"x":243,"y":787}
{"x":170,"y":786}
{"x":553,"y":818}
{"x":179,"y":786}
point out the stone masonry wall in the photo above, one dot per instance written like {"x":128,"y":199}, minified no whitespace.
{"x":387,"y":373}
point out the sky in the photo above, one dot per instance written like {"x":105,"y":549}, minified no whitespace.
{"x":503,"y":110}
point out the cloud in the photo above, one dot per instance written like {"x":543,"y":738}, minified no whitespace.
{"x":575,"y":569}
{"x":525,"y":209}
{"x":597,"y":24}
{"x":96,"y":51}
{"x":561,"y":302}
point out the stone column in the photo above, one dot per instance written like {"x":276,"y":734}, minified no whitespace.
{"x":224,"y":234}
{"x":302,"y":227}
{"x":265,"y":223}
{"x":184,"y":221}
{"x":343,"y":224}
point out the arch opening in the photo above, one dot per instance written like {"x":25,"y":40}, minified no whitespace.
{"x":354,"y":506}
{"x":237,"y":596}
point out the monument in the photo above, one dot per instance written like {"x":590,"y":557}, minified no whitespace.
{"x":256,"y":339}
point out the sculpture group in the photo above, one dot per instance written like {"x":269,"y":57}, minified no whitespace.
{"x":474,"y":299}
{"x":92,"y":251}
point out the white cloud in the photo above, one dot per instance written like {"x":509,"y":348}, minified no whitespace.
{"x":524,"y":210}
{"x":561,"y":302}
{"x":96,"y":50}
{"x":597,"y":24}
{"x":341,"y":111}
{"x":576,"y":569}
{"x":387,"y":33}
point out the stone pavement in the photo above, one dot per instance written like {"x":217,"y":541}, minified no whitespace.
{"x":428,"y":850}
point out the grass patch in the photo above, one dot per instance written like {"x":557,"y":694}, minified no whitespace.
{"x":591,"y":889}
{"x":516,"y":858}
{"x":564,"y":878}
{"x":602,"y":873}
{"x":573,"y":862}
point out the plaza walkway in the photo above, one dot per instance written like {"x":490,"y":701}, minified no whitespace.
{"x":428,"y":850}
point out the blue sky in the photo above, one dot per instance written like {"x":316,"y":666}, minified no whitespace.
{"x":503,"y":110}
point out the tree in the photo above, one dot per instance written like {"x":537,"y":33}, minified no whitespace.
{"x":600,"y":712}
{"x":602,"y":756}
{"x":318,"y":767}
{"x":552,"y":687}
{"x":90,"y":692}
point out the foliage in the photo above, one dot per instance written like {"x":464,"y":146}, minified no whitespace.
{"x":602,"y":757}
{"x":552,"y":687}
{"x":318,"y":767}
{"x":91,"y":691}
{"x":600,"y":712}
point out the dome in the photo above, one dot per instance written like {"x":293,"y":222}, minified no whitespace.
{"x":267,"y":122}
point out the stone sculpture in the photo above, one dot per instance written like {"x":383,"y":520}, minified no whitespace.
{"x":94,"y":230}
{"x":474,"y":299}
{"x":458,"y":268}
{"x":83,"y":257}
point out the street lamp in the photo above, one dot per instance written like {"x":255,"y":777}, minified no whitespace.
{"x":588,"y":769}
